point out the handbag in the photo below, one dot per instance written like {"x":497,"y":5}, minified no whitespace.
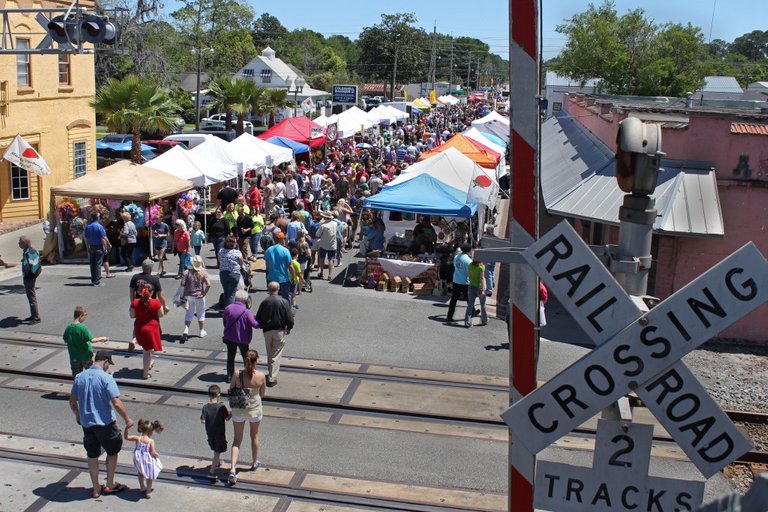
{"x":179,"y":300}
{"x":238,"y":397}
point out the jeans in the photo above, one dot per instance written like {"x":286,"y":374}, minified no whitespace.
{"x":232,"y":349}
{"x":229,"y":281}
{"x":218,"y":242}
{"x":198,"y":248}
{"x":95,"y":260}
{"x":255,"y":244}
{"x":490,"y":277}
{"x":29,"y":288}
{"x":182,"y":259}
{"x":285,"y":291}
{"x":473,"y":293}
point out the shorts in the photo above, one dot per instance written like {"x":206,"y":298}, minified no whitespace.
{"x":97,"y":437}
{"x":294,"y":288}
{"x":218,"y":443}
{"x":240,"y":419}
{"x":160,"y":245}
{"x":330,"y":254}
{"x":78,"y":366}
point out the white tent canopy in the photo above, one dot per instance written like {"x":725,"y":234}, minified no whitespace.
{"x":391,"y":114}
{"x":448,"y":99}
{"x":357,"y":117}
{"x":346,"y":126}
{"x":271,"y":153}
{"x":216,"y":150}
{"x":450,"y":166}
{"x":184,"y":164}
{"x":493,"y":123}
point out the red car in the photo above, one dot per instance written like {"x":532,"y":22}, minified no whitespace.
{"x":161,"y":146}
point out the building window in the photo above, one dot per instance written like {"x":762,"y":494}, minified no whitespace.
{"x":248,"y":72}
{"x":23,"y":67}
{"x":80,"y":159}
{"x":64,"y":68}
{"x":19,"y":183}
{"x":266,"y":76}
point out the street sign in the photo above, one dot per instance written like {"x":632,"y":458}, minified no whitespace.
{"x":640,"y":352}
{"x":584,"y":286}
{"x":618,"y":479}
{"x":344,"y":94}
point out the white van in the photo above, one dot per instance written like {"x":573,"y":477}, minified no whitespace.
{"x":190,"y":139}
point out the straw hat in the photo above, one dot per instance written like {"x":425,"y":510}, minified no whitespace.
{"x":326,"y":214}
{"x":197,"y":263}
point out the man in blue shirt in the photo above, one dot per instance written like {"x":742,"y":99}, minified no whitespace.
{"x":278,"y":261}
{"x":460,"y":278}
{"x":96,"y":238}
{"x":94,"y":399}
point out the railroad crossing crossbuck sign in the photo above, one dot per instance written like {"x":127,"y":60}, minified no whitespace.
{"x":639,"y":351}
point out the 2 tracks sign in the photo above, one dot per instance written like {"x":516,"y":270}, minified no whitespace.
{"x":639,"y":351}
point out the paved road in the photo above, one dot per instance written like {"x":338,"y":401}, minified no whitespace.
{"x":333,"y":324}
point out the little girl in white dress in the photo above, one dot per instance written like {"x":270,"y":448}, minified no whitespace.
{"x":146,"y":460}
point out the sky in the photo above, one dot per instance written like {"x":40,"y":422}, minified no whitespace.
{"x":731,"y":19}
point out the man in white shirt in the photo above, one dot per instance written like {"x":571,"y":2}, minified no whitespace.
{"x":327,"y":242}
{"x":291,"y":191}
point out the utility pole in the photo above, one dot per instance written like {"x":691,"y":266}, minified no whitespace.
{"x":394,"y":74}
{"x":433,"y":58}
{"x":469,"y":67}
{"x":450,"y":73}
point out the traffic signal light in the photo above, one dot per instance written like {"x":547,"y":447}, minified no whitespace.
{"x":88,"y":28}
{"x":638,"y":156}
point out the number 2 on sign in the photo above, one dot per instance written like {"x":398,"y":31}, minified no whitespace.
{"x":614,"y":460}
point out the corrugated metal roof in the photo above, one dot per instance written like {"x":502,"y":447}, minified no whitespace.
{"x":749,"y":129}
{"x":579,"y":180}
{"x":727,"y":84}
{"x":569,"y":153}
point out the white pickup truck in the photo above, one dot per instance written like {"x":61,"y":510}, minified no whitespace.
{"x":220,"y":120}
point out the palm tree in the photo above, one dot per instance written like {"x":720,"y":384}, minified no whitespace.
{"x":250,"y":97}
{"x":134,"y":105}
{"x":278,"y":98}
{"x":224,"y":93}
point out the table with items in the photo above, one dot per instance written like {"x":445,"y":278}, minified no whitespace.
{"x":416,"y":274}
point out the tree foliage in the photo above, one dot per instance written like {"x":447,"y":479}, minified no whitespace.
{"x":133,"y":105}
{"x":629,"y":54}
{"x":395,"y":39}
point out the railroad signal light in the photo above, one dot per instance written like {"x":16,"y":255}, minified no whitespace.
{"x":62,"y":30}
{"x":97,"y":29}
{"x":92,"y":29}
{"x":638,"y":156}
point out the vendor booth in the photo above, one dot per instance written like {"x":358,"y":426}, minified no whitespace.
{"x":273,"y":155}
{"x":494,"y":123}
{"x":440,"y":188}
{"x":479,"y":153}
{"x":299,"y":129}
{"x":296,"y":148}
{"x":121,"y":181}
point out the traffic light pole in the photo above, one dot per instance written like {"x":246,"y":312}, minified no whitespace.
{"x":633,"y":261}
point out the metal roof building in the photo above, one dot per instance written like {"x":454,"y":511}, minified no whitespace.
{"x":578,"y":180}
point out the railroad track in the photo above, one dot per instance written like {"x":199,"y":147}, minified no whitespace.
{"x":433,"y":380}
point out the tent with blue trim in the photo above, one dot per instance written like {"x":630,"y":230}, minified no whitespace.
{"x":296,"y":147}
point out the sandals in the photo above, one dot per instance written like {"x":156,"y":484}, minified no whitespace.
{"x":255,"y":466}
{"x":113,"y":490}
{"x":232,"y":478}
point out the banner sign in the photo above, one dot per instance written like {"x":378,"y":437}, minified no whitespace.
{"x":344,"y":94}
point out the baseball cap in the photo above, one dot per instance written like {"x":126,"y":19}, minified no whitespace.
{"x":104,"y":355}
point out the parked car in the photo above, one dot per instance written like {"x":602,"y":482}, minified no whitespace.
{"x":220,"y":132}
{"x":190,"y":140}
{"x":117,"y":138}
{"x":161,"y":146}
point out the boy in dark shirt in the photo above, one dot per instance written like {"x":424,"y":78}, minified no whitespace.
{"x":214,"y":416}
